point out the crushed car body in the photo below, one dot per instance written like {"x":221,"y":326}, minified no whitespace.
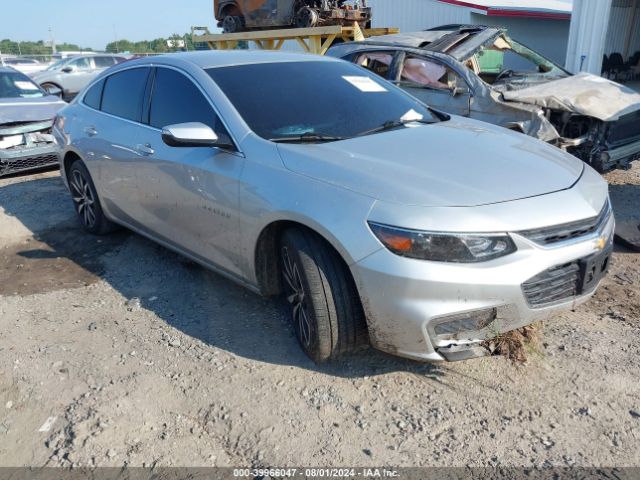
{"x":482,"y":73}
{"x":26,"y":120}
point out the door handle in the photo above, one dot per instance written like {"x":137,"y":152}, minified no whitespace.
{"x":145,"y":150}
{"x":91,"y":131}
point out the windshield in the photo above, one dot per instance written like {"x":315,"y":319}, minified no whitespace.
{"x":506,"y":58}
{"x":58,"y":65}
{"x":17,"y":85}
{"x":315,"y":100}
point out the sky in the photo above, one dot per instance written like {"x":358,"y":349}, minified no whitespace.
{"x":90,"y":23}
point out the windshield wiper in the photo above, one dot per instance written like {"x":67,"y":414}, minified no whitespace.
{"x":308,"y":137}
{"x":393,"y":124}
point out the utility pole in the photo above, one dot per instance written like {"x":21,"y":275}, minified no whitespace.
{"x":53,"y":42}
{"x":115,"y":35}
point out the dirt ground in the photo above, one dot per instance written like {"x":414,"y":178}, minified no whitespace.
{"x":116,"y":351}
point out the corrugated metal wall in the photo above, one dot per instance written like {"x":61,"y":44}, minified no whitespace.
{"x":415,"y":15}
{"x":620,"y":24}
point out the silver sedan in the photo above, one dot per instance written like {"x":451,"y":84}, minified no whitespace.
{"x":379,"y":219}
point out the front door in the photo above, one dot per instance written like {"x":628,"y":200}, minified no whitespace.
{"x":189,"y":195}
{"x":435,"y":84}
{"x":76,"y":74}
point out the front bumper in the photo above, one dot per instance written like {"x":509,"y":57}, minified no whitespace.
{"x":406,"y":299}
{"x":16,"y":160}
{"x":621,"y":157}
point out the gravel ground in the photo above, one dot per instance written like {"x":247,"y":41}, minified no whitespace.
{"x":116,"y":351}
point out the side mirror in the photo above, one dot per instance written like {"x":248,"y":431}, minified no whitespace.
{"x":67,"y":69}
{"x":194,"y":134}
{"x":53,"y":90}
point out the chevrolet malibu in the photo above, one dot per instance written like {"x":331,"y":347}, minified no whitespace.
{"x":378,"y":219}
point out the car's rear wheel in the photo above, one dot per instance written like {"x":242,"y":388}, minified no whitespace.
{"x":325,"y":307}
{"x":86,"y":201}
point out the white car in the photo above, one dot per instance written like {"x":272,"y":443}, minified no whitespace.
{"x":28,"y":66}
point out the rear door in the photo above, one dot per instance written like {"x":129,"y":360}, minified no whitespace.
{"x":434,"y":83}
{"x":189,"y":194}
{"x":113,"y":135}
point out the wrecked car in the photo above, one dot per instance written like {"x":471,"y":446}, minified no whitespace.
{"x":26,"y":117}
{"x":238,"y":15}
{"x":346,"y":209}
{"x":482,"y":73}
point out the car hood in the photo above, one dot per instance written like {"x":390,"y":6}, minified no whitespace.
{"x":19,"y":110}
{"x":459,"y":162}
{"x":584,"y":93}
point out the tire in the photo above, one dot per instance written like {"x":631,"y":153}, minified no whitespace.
{"x":232,"y":24}
{"x":306,"y":17}
{"x":325,"y":307}
{"x":86,"y":202}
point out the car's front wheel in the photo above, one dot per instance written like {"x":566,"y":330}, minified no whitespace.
{"x":86,"y":201}
{"x":325,"y":307}
{"x":232,"y":24}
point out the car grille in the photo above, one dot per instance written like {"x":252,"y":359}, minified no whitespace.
{"x":554,"y":285}
{"x":569,"y":231}
{"x":625,"y":130}
{"x":8,"y":166}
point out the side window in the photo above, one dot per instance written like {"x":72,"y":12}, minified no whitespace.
{"x":176,"y":99}
{"x":377,"y":62}
{"x":93,"y":97}
{"x":422,"y":72}
{"x":80,"y":63}
{"x":124,"y":92}
{"x":103,"y":62}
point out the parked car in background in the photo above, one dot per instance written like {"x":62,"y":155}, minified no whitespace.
{"x":72,"y":74}
{"x":376,"y":217}
{"x":482,"y":73}
{"x":26,"y":118}
{"x":27,"y":66}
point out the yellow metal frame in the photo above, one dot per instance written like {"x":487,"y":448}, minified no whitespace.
{"x":312,"y":40}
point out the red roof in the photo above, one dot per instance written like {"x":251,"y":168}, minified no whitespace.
{"x":548,"y":9}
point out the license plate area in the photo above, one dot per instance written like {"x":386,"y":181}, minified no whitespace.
{"x":593,"y":269}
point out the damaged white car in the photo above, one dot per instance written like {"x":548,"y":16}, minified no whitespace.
{"x":26,"y":118}
{"x":480,"y":72}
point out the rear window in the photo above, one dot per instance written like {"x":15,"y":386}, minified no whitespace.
{"x":93,"y":97}
{"x":123,"y":93}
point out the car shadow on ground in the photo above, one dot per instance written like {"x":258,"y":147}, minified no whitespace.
{"x":200,"y":303}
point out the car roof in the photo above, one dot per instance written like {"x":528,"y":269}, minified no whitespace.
{"x":225,"y":58}
{"x":433,"y":39}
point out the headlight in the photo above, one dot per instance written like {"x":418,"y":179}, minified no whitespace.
{"x":442,"y":247}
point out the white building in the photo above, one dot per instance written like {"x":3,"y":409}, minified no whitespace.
{"x":540,"y":24}
{"x":602,"y":27}
{"x":599,"y":26}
